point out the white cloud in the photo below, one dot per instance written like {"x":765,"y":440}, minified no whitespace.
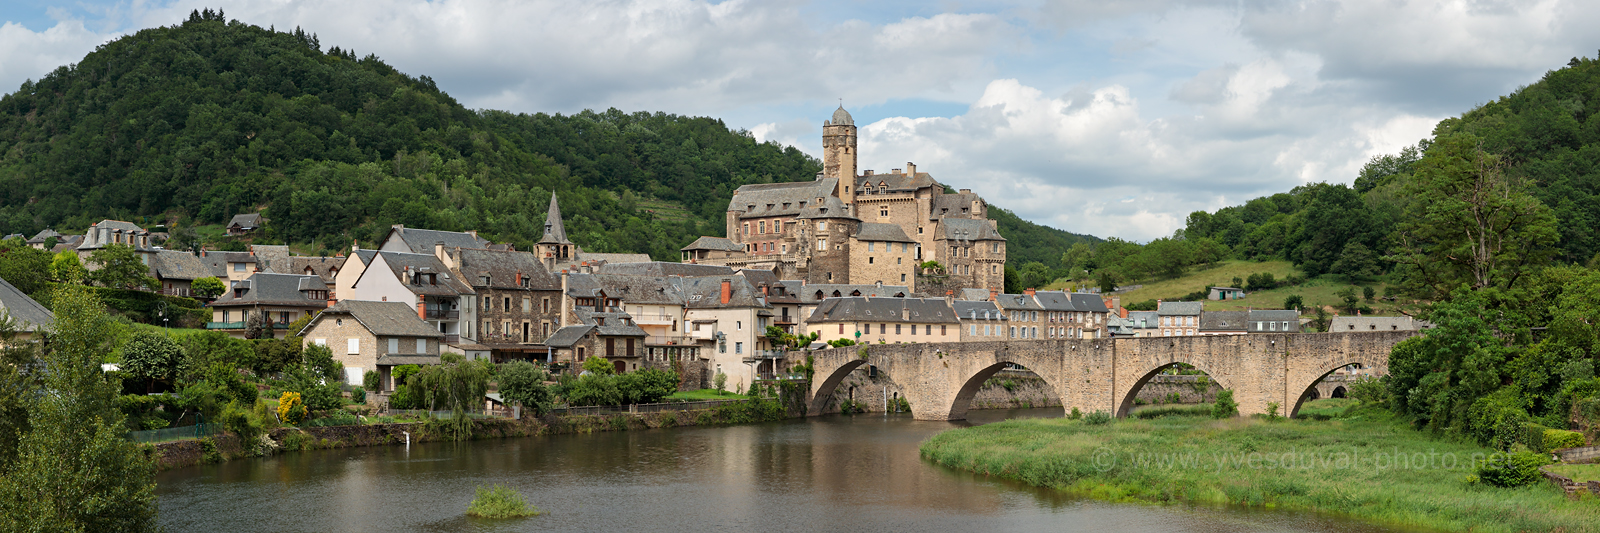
{"x":26,"y":54}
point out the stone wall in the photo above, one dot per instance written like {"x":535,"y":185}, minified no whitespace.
{"x":1027,"y":390}
{"x":692,"y":374}
{"x":1189,"y":389}
{"x":867,"y":390}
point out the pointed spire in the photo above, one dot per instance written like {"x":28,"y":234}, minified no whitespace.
{"x":554,"y":232}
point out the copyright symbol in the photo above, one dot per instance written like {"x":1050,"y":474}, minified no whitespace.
{"x":1104,"y":459}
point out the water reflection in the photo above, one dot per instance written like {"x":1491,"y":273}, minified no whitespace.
{"x":823,"y":474}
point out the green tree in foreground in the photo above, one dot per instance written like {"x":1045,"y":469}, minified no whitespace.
{"x":66,"y":268}
{"x":151,"y":356}
{"x":74,"y":470}
{"x":598,"y":365}
{"x":522,"y":383}
{"x":207,"y":287}
{"x":120,"y":267}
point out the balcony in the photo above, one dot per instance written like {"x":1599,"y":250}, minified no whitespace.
{"x":443,"y":314}
{"x":224,"y":325}
{"x":451,"y":339}
{"x":654,"y":319}
{"x":670,"y":340}
{"x":506,"y":338}
{"x":784,"y":320}
{"x":705,"y":334}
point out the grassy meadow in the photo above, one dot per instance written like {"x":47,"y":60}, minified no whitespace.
{"x":1367,"y":466}
{"x":1312,"y":292}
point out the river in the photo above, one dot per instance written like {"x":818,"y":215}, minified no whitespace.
{"x":834,"y":473}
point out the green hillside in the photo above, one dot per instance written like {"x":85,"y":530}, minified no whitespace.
{"x":196,"y":122}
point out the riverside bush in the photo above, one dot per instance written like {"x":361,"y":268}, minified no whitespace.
{"x":290,"y":409}
{"x":500,"y":502}
{"x":1201,"y":410}
{"x":1225,"y":407}
{"x":1512,"y":470}
{"x":1097,"y":418}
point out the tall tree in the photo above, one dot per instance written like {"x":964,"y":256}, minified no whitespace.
{"x":120,"y":267}
{"x":1470,"y":223}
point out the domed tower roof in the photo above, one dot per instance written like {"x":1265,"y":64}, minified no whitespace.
{"x":842,"y":117}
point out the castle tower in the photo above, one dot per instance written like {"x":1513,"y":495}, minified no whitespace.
{"x":839,"y":153}
{"x":554,"y":246}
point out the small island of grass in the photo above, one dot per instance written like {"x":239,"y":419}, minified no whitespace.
{"x":500,"y":501}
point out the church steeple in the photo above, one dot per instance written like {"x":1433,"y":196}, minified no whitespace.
{"x":554,"y":232}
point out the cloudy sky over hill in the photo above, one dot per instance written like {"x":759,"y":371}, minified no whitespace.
{"x":1107,"y":118}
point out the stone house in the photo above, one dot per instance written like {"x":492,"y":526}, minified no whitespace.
{"x":244,"y":224}
{"x":1273,"y":320}
{"x":379,"y":336}
{"x":278,"y":298}
{"x":730,"y":316}
{"x":1346,"y":324}
{"x":1179,"y":318}
{"x":655,"y":304}
{"x":515,"y":302}
{"x":980,"y":320}
{"x":886,"y":320}
{"x":811,"y":295}
{"x":108,"y":232}
{"x":882,"y":254}
{"x":424,"y":282}
{"x":1024,"y":315}
{"x":39,"y":239}
{"x":174,"y":271}
{"x":1072,"y":315}
{"x":608,"y":334}
{"x":710,"y":249}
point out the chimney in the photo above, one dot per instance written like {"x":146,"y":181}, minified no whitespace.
{"x":1028,"y":291}
{"x":895,"y":171}
{"x":868,"y":172}
{"x":994,"y":294}
{"x":422,"y":309}
{"x":950,"y":297}
{"x":727,"y":290}
{"x":966,"y":191}
{"x":438,"y":249}
{"x":911,"y":168}
{"x":355,"y":246}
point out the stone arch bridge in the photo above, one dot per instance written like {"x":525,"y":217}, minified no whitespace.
{"x":940,"y":379}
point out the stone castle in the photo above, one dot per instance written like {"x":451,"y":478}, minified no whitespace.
{"x":864,"y":228}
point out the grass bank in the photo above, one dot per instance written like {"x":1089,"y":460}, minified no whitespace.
{"x":1367,"y":466}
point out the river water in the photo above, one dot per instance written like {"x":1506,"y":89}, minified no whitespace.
{"x":834,"y":473}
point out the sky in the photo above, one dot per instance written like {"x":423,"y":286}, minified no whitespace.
{"x":1115,"y":118}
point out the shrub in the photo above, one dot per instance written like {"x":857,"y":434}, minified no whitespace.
{"x":598,"y":365}
{"x":290,"y":409}
{"x":1075,"y":414}
{"x":1556,"y":439}
{"x":1272,"y":410}
{"x":1512,"y":470}
{"x":242,"y":423}
{"x":1294,"y":301}
{"x":1097,"y":418}
{"x":522,"y":383}
{"x":720,"y":382}
{"x":1173,"y":410}
{"x":322,"y":397}
{"x":1369,"y":391}
{"x":371,"y":380}
{"x":1225,"y":407}
{"x":358,"y":396}
{"x":402,"y":374}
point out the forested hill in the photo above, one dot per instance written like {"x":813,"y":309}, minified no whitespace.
{"x":197,"y":122}
{"x":1542,"y":140}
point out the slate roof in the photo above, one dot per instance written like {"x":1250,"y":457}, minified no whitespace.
{"x":917,"y":310}
{"x":554,"y":231}
{"x":966,"y":229}
{"x":1056,"y":301}
{"x":892,"y":183}
{"x":661,"y":268}
{"x":44,"y":235}
{"x":69,"y":242}
{"x":1144,"y":319}
{"x":266,"y":288}
{"x":875,"y":231}
{"x":769,"y":199}
{"x":246,"y":221}
{"x":832,"y":207}
{"x":1179,"y":308}
{"x":273,"y":258}
{"x":616,"y":258}
{"x":172,"y":264}
{"x":92,"y":240}
{"x":581,"y":285}
{"x":842,"y":117}
{"x":970,"y":310}
{"x":705,"y":292}
{"x":502,"y":269}
{"x":1274,"y":315}
{"x":323,"y":267}
{"x":1224,"y":320}
{"x":1347,"y":324}
{"x":422,"y":240}
{"x":808,"y":293}
{"x":1019,"y":302}
{"x":713,"y":243}
{"x":973,"y":294}
{"x":652,"y":290}
{"x":951,"y":205}
{"x":388,"y":319}
{"x":29,"y":314}
{"x":1091,"y":303}
{"x":617,"y":324}
{"x":445,"y":284}
{"x":777,"y":291}
{"x":568,"y":336}
{"x":397,"y":360}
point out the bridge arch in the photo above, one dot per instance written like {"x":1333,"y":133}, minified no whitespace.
{"x":1309,"y":389}
{"x":1126,"y":403}
{"x":962,"y":401}
{"x":823,"y":391}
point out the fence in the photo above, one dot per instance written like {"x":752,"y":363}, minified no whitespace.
{"x":179,"y":433}
{"x":641,"y":408}
{"x":443,"y":415}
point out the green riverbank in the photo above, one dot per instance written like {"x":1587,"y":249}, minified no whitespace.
{"x":1367,"y":466}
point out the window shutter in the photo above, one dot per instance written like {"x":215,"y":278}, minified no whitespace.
{"x":354,"y":347}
